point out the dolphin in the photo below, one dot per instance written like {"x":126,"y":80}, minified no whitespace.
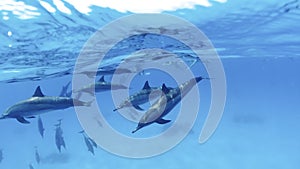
{"x":100,"y":86}
{"x":59,"y":139}
{"x":38,"y":104}
{"x":171,"y":98}
{"x":37,"y":156}
{"x":140,"y":97}
{"x":93,"y":142}
{"x":90,"y":143}
{"x":41,"y":126}
{"x":102,"y":72}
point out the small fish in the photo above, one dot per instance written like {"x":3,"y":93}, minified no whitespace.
{"x":1,"y":155}
{"x":37,"y":156}
{"x":41,"y":127}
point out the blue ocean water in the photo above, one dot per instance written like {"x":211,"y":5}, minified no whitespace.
{"x":258,"y":43}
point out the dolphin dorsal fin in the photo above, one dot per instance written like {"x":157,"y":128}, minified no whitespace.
{"x":102,"y":79}
{"x":38,"y":92}
{"x":165,"y":89}
{"x":146,"y":85}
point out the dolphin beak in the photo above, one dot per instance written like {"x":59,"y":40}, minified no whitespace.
{"x":137,"y":128}
{"x":134,"y":130}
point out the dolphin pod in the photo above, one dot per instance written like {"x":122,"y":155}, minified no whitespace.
{"x":38,"y":104}
{"x":172,"y":97}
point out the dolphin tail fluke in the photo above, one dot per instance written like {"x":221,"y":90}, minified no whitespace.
{"x":88,"y":104}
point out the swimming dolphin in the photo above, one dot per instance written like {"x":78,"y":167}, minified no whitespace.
{"x":89,"y":143}
{"x":100,"y":86}
{"x":172,"y":97}
{"x":41,"y":127}
{"x":93,"y":142}
{"x":37,"y":156}
{"x":59,"y":139}
{"x":103,"y":72}
{"x":38,"y":104}
{"x":140,"y":97}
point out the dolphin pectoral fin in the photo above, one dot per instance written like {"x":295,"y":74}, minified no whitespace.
{"x":30,"y":117}
{"x":22,"y":120}
{"x":138,"y":107}
{"x":162,"y":121}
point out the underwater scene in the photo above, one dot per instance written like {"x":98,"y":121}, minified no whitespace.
{"x":210,"y":84}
